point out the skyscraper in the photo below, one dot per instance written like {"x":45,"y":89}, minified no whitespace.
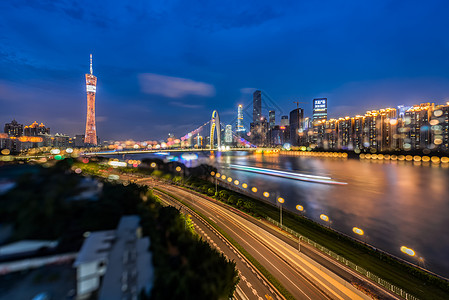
{"x":296,"y":130}
{"x":228,"y":134}
{"x":14,"y":128}
{"x":284,"y":121}
{"x":257,"y":106}
{"x":272,"y":118}
{"x":319,"y":109}
{"x":240,"y":128}
{"x":91,"y":87}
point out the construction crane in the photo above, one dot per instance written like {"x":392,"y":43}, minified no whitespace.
{"x":297,"y":103}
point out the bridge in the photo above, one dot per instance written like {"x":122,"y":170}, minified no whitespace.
{"x":214,"y":134}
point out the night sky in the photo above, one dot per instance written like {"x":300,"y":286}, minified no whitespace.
{"x":163,"y":66}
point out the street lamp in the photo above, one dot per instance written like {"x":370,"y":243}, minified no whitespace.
{"x":325,"y":219}
{"x":280,"y":200}
{"x":411,"y":252}
{"x":359,"y":231}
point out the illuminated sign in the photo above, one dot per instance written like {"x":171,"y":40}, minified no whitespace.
{"x":320,"y":103}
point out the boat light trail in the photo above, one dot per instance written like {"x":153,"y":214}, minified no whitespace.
{"x":289,"y":175}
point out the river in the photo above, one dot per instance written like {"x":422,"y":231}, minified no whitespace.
{"x":396,"y":203}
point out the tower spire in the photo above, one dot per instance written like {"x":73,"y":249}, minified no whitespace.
{"x":91,"y":70}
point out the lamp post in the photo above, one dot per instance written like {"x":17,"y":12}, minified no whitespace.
{"x":359,"y":231}
{"x":411,"y":252}
{"x":325,"y":219}
{"x":300,"y":208}
{"x":280,"y":200}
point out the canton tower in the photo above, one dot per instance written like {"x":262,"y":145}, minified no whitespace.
{"x":91,"y":87}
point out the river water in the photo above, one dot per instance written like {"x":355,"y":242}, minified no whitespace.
{"x":395,"y":203}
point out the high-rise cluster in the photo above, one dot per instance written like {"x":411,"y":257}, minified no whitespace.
{"x":422,"y":127}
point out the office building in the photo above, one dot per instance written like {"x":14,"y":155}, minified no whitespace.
{"x":240,"y":128}
{"x":271,"y":118}
{"x":228,"y":135}
{"x":296,"y":129}
{"x":259,"y":132}
{"x":319,"y":109}
{"x":257,"y":106}
{"x":284,"y":121}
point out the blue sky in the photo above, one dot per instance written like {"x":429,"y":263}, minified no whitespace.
{"x":163,"y":66}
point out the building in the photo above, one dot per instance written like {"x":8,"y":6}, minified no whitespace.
{"x":90,"y":137}
{"x":417,"y":128}
{"x":359,"y":133}
{"x":440,"y":128}
{"x":271,"y":118}
{"x":257,"y":106}
{"x":276,"y":136}
{"x":319,"y":109}
{"x":345,"y":127}
{"x":228,"y":135}
{"x":115,"y":264}
{"x":240,"y":128}
{"x":36,"y":129}
{"x":296,"y":127}
{"x":198,"y":141}
{"x":284,"y":121}
{"x":259,"y":132}
{"x":13,"y":129}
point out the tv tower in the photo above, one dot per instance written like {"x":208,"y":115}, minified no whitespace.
{"x":91,"y":87}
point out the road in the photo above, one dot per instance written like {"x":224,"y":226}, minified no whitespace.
{"x":301,"y":277}
{"x":252,"y":285}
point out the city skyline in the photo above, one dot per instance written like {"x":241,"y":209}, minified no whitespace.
{"x":179,"y":64}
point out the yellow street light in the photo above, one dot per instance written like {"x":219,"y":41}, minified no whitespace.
{"x":324,"y":217}
{"x":236,"y":182}
{"x":153,"y":165}
{"x":299,"y":207}
{"x":212,"y":173}
{"x":229,"y":179}
{"x":244,"y":185}
{"x":358,"y":231}
{"x":223,"y":177}
{"x":178,"y":168}
{"x":408,"y":251}
{"x":254,"y":189}
{"x":266,"y":194}
{"x":280,"y":200}
{"x":218,"y":175}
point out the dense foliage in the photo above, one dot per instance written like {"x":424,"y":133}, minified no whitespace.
{"x":46,"y":205}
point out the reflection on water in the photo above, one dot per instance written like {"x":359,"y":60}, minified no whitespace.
{"x":396,"y":203}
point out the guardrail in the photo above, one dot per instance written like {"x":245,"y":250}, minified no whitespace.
{"x":398,"y":291}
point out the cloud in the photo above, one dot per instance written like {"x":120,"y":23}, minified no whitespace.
{"x":174,"y":87}
{"x":247,"y":90}
{"x":175,"y":103}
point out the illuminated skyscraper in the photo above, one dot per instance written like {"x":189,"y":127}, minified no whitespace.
{"x":319,"y":109}
{"x":240,"y":128}
{"x":91,"y":86}
{"x":272,"y":118}
{"x":228,"y":134}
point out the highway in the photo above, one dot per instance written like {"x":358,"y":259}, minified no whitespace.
{"x":299,"y":275}
{"x":252,"y":285}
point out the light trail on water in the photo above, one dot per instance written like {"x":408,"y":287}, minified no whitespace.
{"x":289,"y":175}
